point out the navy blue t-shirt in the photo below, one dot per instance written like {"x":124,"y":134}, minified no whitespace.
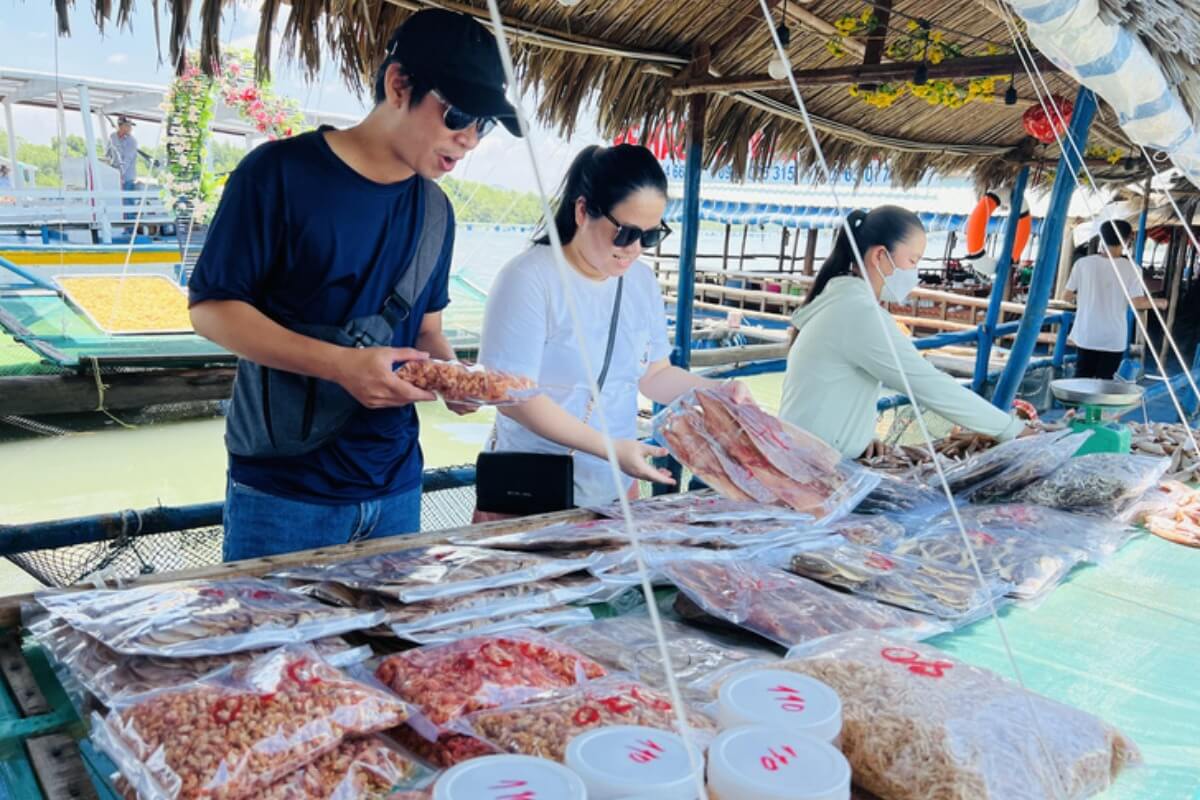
{"x":306,"y":239}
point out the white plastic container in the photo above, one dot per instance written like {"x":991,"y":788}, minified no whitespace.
{"x":504,"y":776}
{"x":766,"y":763}
{"x":781,"y":699}
{"x":626,"y":761}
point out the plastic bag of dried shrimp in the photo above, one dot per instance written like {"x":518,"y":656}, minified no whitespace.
{"x":917,"y":724}
{"x":233,"y":734}
{"x":201,"y":618}
{"x":545,"y":726}
{"x":458,"y":382}
{"x":747,"y":454}
{"x":446,"y":681}
{"x":1105,"y":484}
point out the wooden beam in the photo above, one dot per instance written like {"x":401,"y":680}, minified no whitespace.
{"x":969,"y":67}
{"x":877,"y":38}
{"x":74,"y":394}
{"x":810,"y":251}
{"x":807,"y":19}
{"x":59,"y":767}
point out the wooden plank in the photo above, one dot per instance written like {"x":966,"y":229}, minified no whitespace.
{"x":21,"y":682}
{"x":810,"y":252}
{"x":10,"y":606}
{"x":877,"y":38}
{"x":59,"y":768}
{"x":72,"y":394}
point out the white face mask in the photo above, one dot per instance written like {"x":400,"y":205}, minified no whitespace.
{"x":899,"y":285}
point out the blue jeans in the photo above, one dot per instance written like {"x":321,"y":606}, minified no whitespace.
{"x":262,"y":524}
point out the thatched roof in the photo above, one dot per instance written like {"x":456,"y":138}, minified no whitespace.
{"x":621,"y":56}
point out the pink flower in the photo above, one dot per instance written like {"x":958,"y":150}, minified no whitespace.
{"x":249,"y":94}
{"x":261,"y":128}
{"x":287,"y":132}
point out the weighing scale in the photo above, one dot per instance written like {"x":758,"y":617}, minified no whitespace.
{"x":1094,"y":397}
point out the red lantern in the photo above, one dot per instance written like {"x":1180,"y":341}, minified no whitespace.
{"x":1041,"y":126}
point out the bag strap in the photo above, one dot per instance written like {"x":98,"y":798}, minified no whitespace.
{"x":435,"y":226}
{"x":612,"y":333}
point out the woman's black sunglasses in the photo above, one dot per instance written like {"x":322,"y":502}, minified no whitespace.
{"x":628,"y":234}
{"x":458,"y":120}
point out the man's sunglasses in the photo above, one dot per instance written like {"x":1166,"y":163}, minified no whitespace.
{"x":628,"y":234}
{"x":458,"y":120}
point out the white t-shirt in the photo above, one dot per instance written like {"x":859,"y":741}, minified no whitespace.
{"x":527,"y":329}
{"x":1101,"y":305}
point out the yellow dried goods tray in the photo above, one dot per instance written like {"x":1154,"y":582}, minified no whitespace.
{"x":128,"y":304}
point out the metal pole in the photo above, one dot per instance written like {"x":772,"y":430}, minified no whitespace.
{"x":686,"y":292}
{"x":11,"y":129}
{"x":93,"y":164}
{"x":1139,"y":244}
{"x":983,"y":352}
{"x":1047,"y":261}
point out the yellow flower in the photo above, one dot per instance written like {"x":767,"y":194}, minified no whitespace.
{"x":866,"y":15}
{"x":935,"y":56}
{"x":1114,"y":157}
{"x":937,"y":37}
{"x":912,"y":25}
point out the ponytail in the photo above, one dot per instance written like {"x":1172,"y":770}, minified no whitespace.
{"x":603,"y":177}
{"x":886,"y":226}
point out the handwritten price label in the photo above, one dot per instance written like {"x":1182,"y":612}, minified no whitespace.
{"x":914,"y":663}
{"x":777,"y":758}
{"x":789,"y":699}
{"x":880,"y":562}
{"x":645,"y":751}
{"x":511,"y":786}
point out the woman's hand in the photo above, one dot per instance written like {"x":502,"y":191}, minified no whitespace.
{"x":875,"y":449}
{"x":633,"y":458}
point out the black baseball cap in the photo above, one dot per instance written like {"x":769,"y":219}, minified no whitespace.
{"x":460,"y":58}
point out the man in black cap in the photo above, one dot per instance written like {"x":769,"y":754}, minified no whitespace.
{"x":326,"y":265}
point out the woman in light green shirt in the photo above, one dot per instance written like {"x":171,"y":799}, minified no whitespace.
{"x":840,"y":359}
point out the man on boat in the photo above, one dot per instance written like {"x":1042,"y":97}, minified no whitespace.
{"x":1100,"y":332}
{"x":326,"y":265}
{"x":123,"y":153}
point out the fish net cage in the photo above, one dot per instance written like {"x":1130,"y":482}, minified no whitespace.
{"x":132,"y":554}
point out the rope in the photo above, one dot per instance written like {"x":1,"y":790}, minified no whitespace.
{"x":100,"y":387}
{"x":33,"y":426}
{"x":885,"y":320}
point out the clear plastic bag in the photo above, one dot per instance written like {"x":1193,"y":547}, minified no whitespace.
{"x":900,"y":495}
{"x":628,"y":644}
{"x":489,"y":604}
{"x":530,"y":620}
{"x":1099,"y":538}
{"x":942,"y":590}
{"x":110,"y":676}
{"x":917,"y":724}
{"x":445,"y":682}
{"x":543,"y":728}
{"x":1008,"y":467}
{"x":747,"y":454}
{"x":458,"y":382}
{"x":591,"y":535}
{"x":201,"y":618}
{"x":1034,"y":564}
{"x":366,"y":768}
{"x":428,"y":573}
{"x":233,"y":734}
{"x":782,"y":607}
{"x":875,"y":531}
{"x":1106,"y":484}
{"x":620,"y":568}
{"x":706,"y":508}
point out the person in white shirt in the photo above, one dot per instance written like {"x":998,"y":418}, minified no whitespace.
{"x":1100,"y":332}
{"x":840,"y":359}
{"x":610,"y":209}
{"x":5,"y":178}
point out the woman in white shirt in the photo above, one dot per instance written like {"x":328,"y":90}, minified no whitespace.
{"x":610,"y":209}
{"x":840,"y":357}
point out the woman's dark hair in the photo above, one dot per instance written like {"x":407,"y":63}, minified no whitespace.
{"x":1115,"y":232}
{"x":885,"y":225}
{"x":603,"y":177}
